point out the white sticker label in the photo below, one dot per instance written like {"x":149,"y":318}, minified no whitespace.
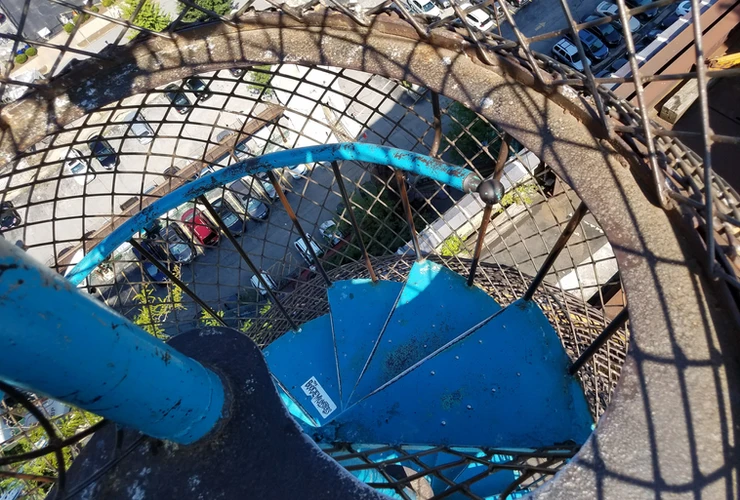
{"x":320,"y":399}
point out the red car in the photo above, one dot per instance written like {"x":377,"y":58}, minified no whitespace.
{"x":200,"y":227}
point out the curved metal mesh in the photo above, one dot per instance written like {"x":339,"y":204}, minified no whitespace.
{"x":281,"y":106}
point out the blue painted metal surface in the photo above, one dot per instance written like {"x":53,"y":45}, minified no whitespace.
{"x":359,"y":311}
{"x":456,"y":177}
{"x":435,"y":306}
{"x":306,"y":366}
{"x":503,"y":385}
{"x":58,"y":341}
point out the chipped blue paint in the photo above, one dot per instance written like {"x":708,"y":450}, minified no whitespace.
{"x":504,"y":384}
{"x":295,"y":358}
{"x":435,"y":306}
{"x":58,"y":341}
{"x":359,"y":311}
{"x":456,"y":177}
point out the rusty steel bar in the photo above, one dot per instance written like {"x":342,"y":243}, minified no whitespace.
{"x":491,"y":191}
{"x":355,"y":225}
{"x":177,"y":281}
{"x":294,"y":219}
{"x":434,"y":149}
{"x":619,"y":320}
{"x":258,"y":274}
{"x":401,"y":181}
{"x":556,"y":249}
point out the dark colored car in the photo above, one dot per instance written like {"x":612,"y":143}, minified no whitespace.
{"x":9,"y":217}
{"x":2,"y":18}
{"x":256,"y":210}
{"x":648,"y":14}
{"x":651,"y":35}
{"x":178,"y":244}
{"x":519,"y":3}
{"x":237,"y":72}
{"x":230,"y":218}
{"x":158,"y":253}
{"x":198,"y":87}
{"x":178,"y":99}
{"x":104,"y":152}
{"x":609,"y":34}
{"x":594,"y":47}
{"x":200,"y":227}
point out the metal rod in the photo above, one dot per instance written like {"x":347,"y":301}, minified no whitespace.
{"x":90,"y":357}
{"x":615,"y":324}
{"x":294,"y":219}
{"x":355,"y":225}
{"x":225,"y":231}
{"x":479,"y":242}
{"x":437,"y":125}
{"x":556,"y":249}
{"x":409,"y":216}
{"x":503,"y":155}
{"x":177,"y":281}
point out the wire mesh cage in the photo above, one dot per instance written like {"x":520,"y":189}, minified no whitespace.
{"x":117,"y":105}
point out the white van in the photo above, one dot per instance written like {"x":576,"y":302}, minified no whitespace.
{"x":302,"y":248}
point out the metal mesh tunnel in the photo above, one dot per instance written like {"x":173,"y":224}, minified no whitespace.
{"x":235,"y":165}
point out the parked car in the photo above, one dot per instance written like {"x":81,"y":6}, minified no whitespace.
{"x":237,"y":72}
{"x":426,"y":8}
{"x":203,"y":231}
{"x":256,"y":210}
{"x":78,"y":167}
{"x":302,"y":248}
{"x":652,"y":35}
{"x":103,"y":152}
{"x":445,"y":4}
{"x":607,"y":9}
{"x":613,"y":68}
{"x":565,"y":52}
{"x":519,"y":3}
{"x":259,"y":286}
{"x":609,"y":34}
{"x":178,"y":99}
{"x":156,"y":250}
{"x":329,"y":230}
{"x":297,"y":171}
{"x":248,"y":188}
{"x":9,"y":216}
{"x":478,"y":18}
{"x":593,"y":47}
{"x":178,"y":244}
{"x":681,"y":10}
{"x":198,"y":87}
{"x":140,"y":127}
{"x":236,"y":224}
{"x":648,"y":14}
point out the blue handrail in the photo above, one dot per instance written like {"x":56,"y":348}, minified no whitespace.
{"x":450,"y":175}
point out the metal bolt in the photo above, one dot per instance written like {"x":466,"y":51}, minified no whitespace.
{"x":457,"y":357}
{"x":432,"y":372}
{"x":470,"y":407}
{"x":444,"y":423}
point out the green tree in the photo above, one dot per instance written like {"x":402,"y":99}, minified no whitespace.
{"x":207,"y":319}
{"x":150,"y":16}
{"x":68,"y":425}
{"x":154,"y":310}
{"x":468,"y":143}
{"x":220,"y":7}
{"x":261,"y":80}
{"x":452,"y":245}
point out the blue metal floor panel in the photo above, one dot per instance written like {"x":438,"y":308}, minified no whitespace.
{"x":504,"y":385}
{"x":435,"y":306}
{"x":359,"y":310}
{"x":306,"y":366}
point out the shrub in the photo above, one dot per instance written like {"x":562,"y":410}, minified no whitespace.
{"x":69,"y":27}
{"x":31,"y":51}
{"x":108,"y":3}
{"x":452,"y":245}
{"x":94,"y":8}
{"x":21,"y":58}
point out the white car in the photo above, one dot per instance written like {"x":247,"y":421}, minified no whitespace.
{"x":683,"y":8}
{"x":302,"y":248}
{"x":605,"y":9}
{"x":298,"y":171}
{"x":78,"y":167}
{"x":256,"y":283}
{"x":426,"y":8}
{"x":478,"y":18}
{"x":330,"y":232}
{"x":140,"y":127}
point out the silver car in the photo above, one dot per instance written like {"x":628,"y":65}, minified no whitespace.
{"x":78,"y":167}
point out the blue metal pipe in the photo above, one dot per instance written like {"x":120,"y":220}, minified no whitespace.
{"x":451,"y":175}
{"x":58,"y":341}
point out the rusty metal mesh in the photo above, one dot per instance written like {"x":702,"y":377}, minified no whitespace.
{"x":281,"y":106}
